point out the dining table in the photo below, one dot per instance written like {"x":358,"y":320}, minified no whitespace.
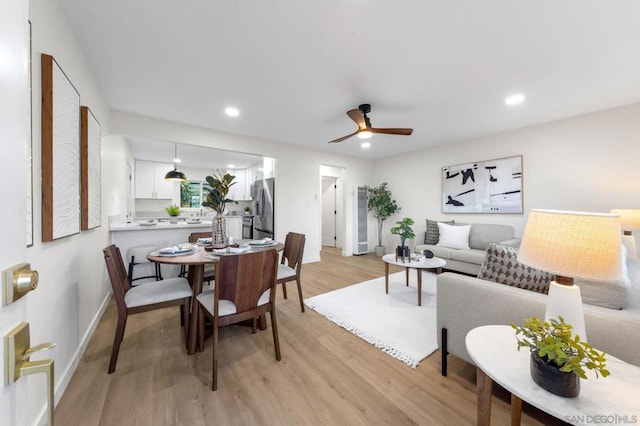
{"x":196,"y":259}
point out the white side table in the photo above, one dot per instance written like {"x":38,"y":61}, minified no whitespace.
{"x":610,"y":400}
{"x":435,"y":263}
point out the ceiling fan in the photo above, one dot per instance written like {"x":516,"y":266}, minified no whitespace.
{"x":364,"y":125}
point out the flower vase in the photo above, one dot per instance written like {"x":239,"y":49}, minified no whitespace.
{"x":219,"y":232}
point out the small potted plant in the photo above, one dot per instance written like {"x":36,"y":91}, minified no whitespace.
{"x":174,"y":211}
{"x":404,"y":230}
{"x":380,"y":203}
{"x":558,"y":358}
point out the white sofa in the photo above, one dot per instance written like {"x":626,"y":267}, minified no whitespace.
{"x":468,"y":261}
{"x":466,"y":302}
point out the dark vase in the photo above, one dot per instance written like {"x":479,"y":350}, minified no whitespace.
{"x":549,"y":377}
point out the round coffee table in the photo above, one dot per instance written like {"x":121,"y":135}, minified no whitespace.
{"x":434,"y":264}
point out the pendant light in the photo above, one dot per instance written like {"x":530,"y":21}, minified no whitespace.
{"x":175,"y":174}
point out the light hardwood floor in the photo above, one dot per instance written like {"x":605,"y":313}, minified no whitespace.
{"x":327,"y":376}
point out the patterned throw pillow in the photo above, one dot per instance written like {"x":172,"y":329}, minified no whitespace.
{"x":501,"y":265}
{"x":433,"y":234}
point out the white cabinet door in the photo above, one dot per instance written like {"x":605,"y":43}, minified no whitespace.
{"x":239,"y":190}
{"x":144,"y":179}
{"x":150,"y":182}
{"x":164,"y":188}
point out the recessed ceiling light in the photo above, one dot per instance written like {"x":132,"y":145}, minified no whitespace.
{"x":514,"y":99}
{"x":177,"y":160}
{"x":232,"y":112}
{"x":365,"y":144}
{"x":231,"y":166}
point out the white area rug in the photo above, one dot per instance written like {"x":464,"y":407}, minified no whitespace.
{"x":392,"y":322}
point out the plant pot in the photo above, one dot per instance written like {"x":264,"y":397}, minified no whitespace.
{"x":380,"y":251}
{"x":219,"y":232}
{"x":548,"y":376}
{"x":173,"y":219}
{"x":403,"y":252}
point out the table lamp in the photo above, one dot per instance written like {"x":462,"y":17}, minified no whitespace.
{"x":629,"y":220}
{"x":571,"y":245}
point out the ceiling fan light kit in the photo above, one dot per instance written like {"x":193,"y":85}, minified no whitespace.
{"x":365,"y":131}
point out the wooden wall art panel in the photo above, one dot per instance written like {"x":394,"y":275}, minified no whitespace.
{"x":89,"y":170}
{"x":60,"y":153}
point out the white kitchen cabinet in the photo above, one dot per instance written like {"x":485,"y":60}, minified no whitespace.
{"x":239,"y":191}
{"x":234,"y":227}
{"x":150,"y":181}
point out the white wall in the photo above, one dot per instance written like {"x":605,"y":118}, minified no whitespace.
{"x":73,"y":287}
{"x":298,"y":206}
{"x":584,"y":163}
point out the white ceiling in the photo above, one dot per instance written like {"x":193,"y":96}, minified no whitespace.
{"x":294,"y":67}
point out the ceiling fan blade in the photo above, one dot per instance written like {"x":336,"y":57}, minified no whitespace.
{"x":344,"y":137}
{"x":405,"y":132}
{"x":357,"y":116}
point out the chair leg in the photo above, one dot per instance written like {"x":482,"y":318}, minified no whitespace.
{"x":214,"y":381}
{"x":274,"y":328}
{"x":117,"y":339}
{"x":184,"y":310}
{"x":201,"y":329}
{"x":300,"y":294}
{"x":284,"y":290}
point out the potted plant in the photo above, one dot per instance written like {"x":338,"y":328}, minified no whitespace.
{"x":219,"y":185}
{"x":174,"y":211}
{"x":558,"y":358}
{"x":382,"y":206}
{"x":404,"y":230}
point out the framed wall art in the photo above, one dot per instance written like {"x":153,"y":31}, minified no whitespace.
{"x":90,"y":206}
{"x":60,"y":153}
{"x":491,"y":186}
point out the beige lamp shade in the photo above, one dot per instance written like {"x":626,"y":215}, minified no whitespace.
{"x":573,"y":244}
{"x":629,"y":218}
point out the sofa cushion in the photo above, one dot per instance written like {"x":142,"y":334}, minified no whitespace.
{"x":501,"y":265}
{"x":455,"y":237}
{"x":608,"y":294}
{"x":432,"y":234}
{"x":483,"y":234}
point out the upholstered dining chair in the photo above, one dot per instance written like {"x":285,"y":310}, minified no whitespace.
{"x":244,"y":290}
{"x":142,"y":298}
{"x":209,"y":269}
{"x":291,"y":263}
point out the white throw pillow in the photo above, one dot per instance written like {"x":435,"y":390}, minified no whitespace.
{"x":455,"y":237}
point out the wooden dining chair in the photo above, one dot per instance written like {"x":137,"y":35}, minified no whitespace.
{"x":144,"y":297}
{"x":209,"y":269}
{"x":291,"y":263}
{"x":244,"y":290}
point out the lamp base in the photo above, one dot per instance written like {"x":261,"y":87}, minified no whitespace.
{"x":566,"y":301}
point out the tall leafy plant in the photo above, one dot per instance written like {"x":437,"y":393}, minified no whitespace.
{"x":382,"y":205}
{"x":219,"y":189}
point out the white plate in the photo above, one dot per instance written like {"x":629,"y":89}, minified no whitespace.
{"x":264,"y":242}
{"x":177,"y":249}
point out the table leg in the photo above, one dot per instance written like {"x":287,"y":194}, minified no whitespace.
{"x":386,"y":277}
{"x":484,"y":385}
{"x":419,"y":286}
{"x":196,"y":275}
{"x":406,"y":271}
{"x":516,"y":410}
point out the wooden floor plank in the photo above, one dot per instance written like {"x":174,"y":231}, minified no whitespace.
{"x":327,"y":375}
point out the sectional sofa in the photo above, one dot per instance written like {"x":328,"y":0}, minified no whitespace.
{"x":466,"y":302}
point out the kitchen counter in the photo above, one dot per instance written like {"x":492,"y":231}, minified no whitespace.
{"x":135,"y":226}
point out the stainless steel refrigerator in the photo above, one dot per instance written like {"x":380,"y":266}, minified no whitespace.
{"x":263,"y":222}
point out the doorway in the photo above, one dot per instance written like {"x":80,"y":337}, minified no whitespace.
{"x":329,"y":211}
